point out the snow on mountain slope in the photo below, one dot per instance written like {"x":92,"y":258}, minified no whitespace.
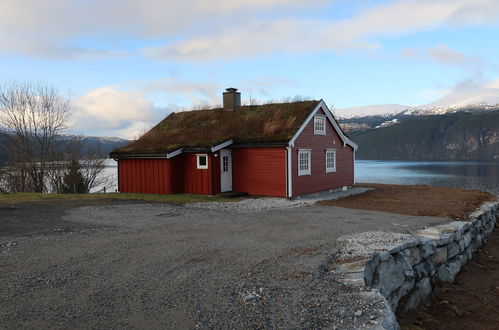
{"x":370,"y":110}
{"x":459,"y":99}
{"x":451,"y":102}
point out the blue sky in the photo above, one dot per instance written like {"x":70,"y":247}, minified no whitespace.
{"x":126,"y":64}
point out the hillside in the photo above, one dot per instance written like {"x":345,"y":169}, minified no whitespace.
{"x":107,"y":144}
{"x":456,"y":136}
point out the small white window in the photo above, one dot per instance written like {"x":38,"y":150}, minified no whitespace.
{"x":202,"y":161}
{"x":330,"y":160}
{"x":304,"y":162}
{"x":320,"y":125}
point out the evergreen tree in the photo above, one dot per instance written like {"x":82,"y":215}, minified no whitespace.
{"x":73,"y":181}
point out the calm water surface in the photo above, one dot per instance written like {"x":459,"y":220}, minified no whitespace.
{"x":469,"y":175}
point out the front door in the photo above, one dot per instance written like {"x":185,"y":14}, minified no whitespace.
{"x":226,"y":169}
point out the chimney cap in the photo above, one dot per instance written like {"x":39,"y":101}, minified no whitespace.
{"x":231,"y":89}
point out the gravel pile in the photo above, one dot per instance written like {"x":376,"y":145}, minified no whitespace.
{"x":258,"y":205}
{"x":252,"y":205}
{"x":364,"y":244}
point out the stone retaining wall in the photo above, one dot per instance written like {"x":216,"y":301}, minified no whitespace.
{"x":405,"y":274}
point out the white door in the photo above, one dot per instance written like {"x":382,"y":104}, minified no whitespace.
{"x":226,"y":169}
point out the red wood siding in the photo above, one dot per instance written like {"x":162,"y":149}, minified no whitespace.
{"x":178,"y":175}
{"x":259,"y":171}
{"x":194,"y":180}
{"x":319,"y":180}
{"x":148,"y":176}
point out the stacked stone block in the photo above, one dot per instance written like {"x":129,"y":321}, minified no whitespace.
{"x":406,"y":274}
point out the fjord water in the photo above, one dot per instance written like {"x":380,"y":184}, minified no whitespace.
{"x":469,"y":175}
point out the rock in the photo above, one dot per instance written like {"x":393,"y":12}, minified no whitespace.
{"x":421,"y":291}
{"x":424,"y":269}
{"x":454,"y":266}
{"x":250,"y":297}
{"x":402,"y":291}
{"x":467,"y":239}
{"x":453,"y":250}
{"x":468,"y":253}
{"x":448,"y":272}
{"x":390,"y":277}
{"x":358,"y":313}
{"x":414,"y":255}
{"x":443,"y":274}
{"x":428,"y":248}
{"x":440,"y":256}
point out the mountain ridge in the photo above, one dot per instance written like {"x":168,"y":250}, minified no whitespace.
{"x":451,"y":136}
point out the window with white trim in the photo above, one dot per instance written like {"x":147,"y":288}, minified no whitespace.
{"x":304,"y":162}
{"x":320,"y":125}
{"x":225,"y":164}
{"x":330,"y":160}
{"x":202,"y":161}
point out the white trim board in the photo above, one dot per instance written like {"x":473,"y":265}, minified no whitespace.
{"x":290,"y":174}
{"x":333,"y":122}
{"x":221,"y":145}
{"x":174,"y":153}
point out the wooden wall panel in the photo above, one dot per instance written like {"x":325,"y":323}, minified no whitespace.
{"x":259,"y":171}
{"x":148,"y":176}
{"x":319,"y":180}
{"x":195,"y":181}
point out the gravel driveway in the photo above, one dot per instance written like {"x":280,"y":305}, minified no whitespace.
{"x":165,"y":266}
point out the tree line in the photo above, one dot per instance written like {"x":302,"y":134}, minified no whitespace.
{"x":32,"y":116}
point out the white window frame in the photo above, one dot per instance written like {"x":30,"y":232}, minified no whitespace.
{"x":308,"y":171}
{"x":330,"y":169}
{"x":199,"y":166}
{"x":323,"y":120}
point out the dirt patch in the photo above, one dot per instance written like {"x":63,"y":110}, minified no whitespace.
{"x":471,"y":302}
{"x":416,"y":200}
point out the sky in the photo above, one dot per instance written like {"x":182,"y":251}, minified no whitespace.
{"x":126,"y":64}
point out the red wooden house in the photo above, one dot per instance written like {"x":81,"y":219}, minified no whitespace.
{"x":282,"y":149}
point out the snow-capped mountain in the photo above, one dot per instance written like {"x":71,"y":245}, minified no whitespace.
{"x":484,"y":98}
{"x":370,"y":110}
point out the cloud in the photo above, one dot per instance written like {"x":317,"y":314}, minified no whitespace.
{"x":493,"y":84}
{"x":178,"y":91}
{"x":202,"y":30}
{"x":442,"y":54}
{"x":298,"y":35}
{"x":41,"y":28}
{"x":110,"y":111}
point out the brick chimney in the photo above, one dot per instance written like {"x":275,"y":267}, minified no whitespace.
{"x":232,"y":99}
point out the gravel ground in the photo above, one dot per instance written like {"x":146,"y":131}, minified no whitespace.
{"x":164,"y":266}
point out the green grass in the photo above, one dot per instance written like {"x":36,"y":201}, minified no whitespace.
{"x":6,"y":198}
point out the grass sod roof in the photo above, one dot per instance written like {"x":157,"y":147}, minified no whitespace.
{"x":269,"y":123}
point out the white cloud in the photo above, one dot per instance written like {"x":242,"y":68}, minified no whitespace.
{"x":42,"y":28}
{"x":309,"y":35}
{"x":442,"y":54}
{"x":219,"y":29}
{"x":493,"y":84}
{"x":109,"y":111}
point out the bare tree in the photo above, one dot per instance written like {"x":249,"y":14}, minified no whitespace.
{"x":32,"y":115}
{"x":76,"y":160}
{"x":93,"y":164}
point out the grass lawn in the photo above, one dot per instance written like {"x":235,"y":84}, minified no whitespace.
{"x":7,"y":198}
